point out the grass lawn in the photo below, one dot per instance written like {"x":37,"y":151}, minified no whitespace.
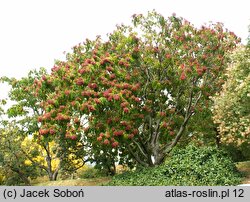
{"x":245,"y":168}
{"x":75,"y":182}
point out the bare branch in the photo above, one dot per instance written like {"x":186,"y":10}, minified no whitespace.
{"x":140,"y":148}
{"x":156,"y":132}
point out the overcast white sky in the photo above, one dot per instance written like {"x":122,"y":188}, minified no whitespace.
{"x":35,"y":32}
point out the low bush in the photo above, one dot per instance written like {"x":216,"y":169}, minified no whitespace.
{"x":238,"y":153}
{"x":191,"y":166}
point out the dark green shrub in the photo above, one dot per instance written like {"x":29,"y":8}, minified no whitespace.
{"x":191,"y":166}
{"x":238,"y":154}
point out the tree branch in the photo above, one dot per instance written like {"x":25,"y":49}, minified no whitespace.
{"x":33,"y":162}
{"x":140,"y":148}
{"x":188,"y":114}
{"x":136,"y":157}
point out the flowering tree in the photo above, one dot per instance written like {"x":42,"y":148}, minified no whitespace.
{"x":136,"y":92}
{"x":231,"y":109}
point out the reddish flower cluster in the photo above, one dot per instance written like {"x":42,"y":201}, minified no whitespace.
{"x":124,"y":123}
{"x":136,"y":87}
{"x":76,"y":120}
{"x":86,"y":93}
{"x":168,"y":55}
{"x":88,"y":62}
{"x":124,"y":104}
{"x":135,"y":131}
{"x":125,"y":86}
{"x":183,"y":76}
{"x":97,"y":101}
{"x":162,"y":114}
{"x":112,"y":76}
{"x":109,"y":68}
{"x":91,"y":108}
{"x":62,"y":117}
{"x":67,"y":92}
{"x":136,"y":99}
{"x":43,"y":131}
{"x":79,"y":81}
{"x":116,"y":97}
{"x":52,"y":131}
{"x":124,"y":63}
{"x":105,"y":61}
{"x":44,"y":78}
{"x":47,"y":116}
{"x":126,"y":110}
{"x":72,"y":137}
{"x":92,"y":85}
{"x":40,"y":119}
{"x":118,"y":133}
{"x":55,"y":68}
{"x":130,"y":136}
{"x":51,"y":102}
{"x":106,"y":142}
{"x":61,"y":108}
{"x":115,"y":144}
{"x":107,"y":93}
{"x":82,"y":70}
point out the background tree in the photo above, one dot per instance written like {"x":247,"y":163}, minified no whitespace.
{"x":139,"y":89}
{"x":231,"y":106}
{"x":12,"y":160}
{"x":26,"y":109}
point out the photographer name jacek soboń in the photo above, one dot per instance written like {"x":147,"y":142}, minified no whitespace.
{"x":47,"y":193}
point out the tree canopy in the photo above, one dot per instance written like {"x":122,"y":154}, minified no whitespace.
{"x":136,"y":92}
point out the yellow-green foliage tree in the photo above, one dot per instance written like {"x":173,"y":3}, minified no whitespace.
{"x":23,"y":159}
{"x":41,"y":156}
{"x":13,"y":166}
{"x":37,"y":154}
{"x":232,"y":105}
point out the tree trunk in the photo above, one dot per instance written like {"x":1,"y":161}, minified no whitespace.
{"x":50,"y":176}
{"x":50,"y":172}
{"x":111,"y":169}
{"x":53,"y":174}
